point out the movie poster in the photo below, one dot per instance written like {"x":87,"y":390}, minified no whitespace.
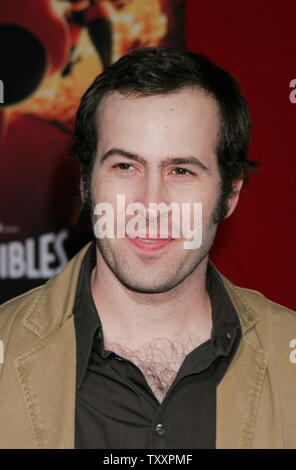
{"x":51,"y":50}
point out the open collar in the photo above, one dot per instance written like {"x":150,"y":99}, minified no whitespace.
{"x":47,"y":373}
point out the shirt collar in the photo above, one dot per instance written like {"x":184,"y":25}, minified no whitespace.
{"x":86,"y":319}
{"x":224,"y":316}
{"x":88,"y":327}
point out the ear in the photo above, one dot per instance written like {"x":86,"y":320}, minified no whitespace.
{"x":234,"y":196}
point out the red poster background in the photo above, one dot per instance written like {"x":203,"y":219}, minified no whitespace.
{"x":51,"y":51}
{"x":256,"y":42}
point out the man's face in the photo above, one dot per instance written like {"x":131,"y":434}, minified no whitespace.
{"x":146,"y":136}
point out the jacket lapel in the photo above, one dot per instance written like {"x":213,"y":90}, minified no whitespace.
{"x":239,"y":392}
{"x":47,"y":373}
{"x":47,"y":378}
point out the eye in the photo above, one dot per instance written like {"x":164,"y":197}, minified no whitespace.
{"x":181,"y":171}
{"x":123,"y":166}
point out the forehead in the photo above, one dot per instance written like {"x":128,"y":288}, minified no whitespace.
{"x":182,"y":121}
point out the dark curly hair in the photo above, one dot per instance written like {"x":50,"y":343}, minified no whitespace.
{"x":152,"y":71}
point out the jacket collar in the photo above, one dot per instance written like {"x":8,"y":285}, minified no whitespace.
{"x":54,"y":305}
{"x":246,"y":311}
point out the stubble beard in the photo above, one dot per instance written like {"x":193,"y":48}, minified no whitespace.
{"x":173,"y":272}
{"x":146,"y":281}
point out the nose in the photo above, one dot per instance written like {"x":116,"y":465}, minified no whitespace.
{"x":152,"y":189}
{"x":151,"y":193}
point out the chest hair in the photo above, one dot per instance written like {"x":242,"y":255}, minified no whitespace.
{"x":159,"y":361}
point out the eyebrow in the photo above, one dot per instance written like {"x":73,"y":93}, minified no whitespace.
{"x":167,"y":161}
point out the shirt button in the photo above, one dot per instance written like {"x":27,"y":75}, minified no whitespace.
{"x":228,"y":335}
{"x":159,"y":429}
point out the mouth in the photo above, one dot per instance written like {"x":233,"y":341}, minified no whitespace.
{"x":148,"y":244}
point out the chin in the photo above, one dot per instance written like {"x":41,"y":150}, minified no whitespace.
{"x":148,"y":287}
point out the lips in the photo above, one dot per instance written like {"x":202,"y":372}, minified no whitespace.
{"x":150,"y":244}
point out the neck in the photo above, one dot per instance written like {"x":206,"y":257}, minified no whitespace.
{"x":141,"y":318}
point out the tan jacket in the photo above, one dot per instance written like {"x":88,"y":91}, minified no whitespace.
{"x":256,"y":400}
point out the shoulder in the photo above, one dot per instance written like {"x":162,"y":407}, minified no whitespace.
{"x":45,"y":308}
{"x":18,"y":305}
{"x":258,"y":302}
{"x":275,"y":312}
{"x":275,"y":324}
{"x":12,"y":315}
{"x":56,"y":287}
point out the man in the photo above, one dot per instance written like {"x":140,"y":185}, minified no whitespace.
{"x":140,"y":342}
